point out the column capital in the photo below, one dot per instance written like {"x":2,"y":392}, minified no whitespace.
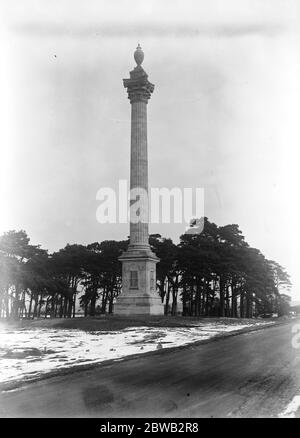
{"x":139,"y":89}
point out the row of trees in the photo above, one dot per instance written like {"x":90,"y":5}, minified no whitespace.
{"x":212,"y":273}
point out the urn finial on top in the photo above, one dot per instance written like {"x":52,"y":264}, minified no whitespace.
{"x":139,"y":55}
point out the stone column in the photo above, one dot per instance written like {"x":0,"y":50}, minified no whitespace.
{"x":139,"y":234}
{"x":139,"y":91}
{"x":139,"y":296}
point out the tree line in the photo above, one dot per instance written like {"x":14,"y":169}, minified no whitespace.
{"x":214,"y":272}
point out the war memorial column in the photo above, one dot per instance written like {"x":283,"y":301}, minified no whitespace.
{"x":139,"y":296}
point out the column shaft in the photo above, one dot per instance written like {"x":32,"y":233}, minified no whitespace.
{"x":139,"y":233}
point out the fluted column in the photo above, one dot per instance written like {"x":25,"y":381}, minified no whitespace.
{"x":139,"y":91}
{"x":139,"y":234}
{"x":139,"y":295}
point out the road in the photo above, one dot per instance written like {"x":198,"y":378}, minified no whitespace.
{"x":255,"y":374}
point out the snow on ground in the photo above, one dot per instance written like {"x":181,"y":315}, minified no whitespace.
{"x":26,"y":353}
{"x":291,"y":409}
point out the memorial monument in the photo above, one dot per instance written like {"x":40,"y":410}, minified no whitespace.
{"x":139,"y":296}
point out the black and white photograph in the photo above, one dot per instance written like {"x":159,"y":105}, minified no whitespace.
{"x":149,"y":226}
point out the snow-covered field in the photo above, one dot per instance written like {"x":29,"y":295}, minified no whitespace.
{"x":291,"y":409}
{"x":26,"y":353}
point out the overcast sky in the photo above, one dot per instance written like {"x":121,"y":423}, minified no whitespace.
{"x":223,"y":115}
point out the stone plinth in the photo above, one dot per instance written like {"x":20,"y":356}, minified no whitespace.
{"x":139,"y":297}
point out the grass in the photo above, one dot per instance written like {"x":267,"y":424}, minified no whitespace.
{"x":113,"y":322}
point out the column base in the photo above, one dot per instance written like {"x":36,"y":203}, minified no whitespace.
{"x":138,"y":305}
{"x":140,"y":298}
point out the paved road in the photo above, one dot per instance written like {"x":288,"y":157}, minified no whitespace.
{"x":249,"y":375}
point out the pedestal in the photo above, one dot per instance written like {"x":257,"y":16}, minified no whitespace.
{"x":139,"y":296}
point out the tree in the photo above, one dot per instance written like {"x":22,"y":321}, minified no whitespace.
{"x":16,"y":252}
{"x":70,"y":265}
{"x":103,"y":275}
{"x":167,"y":272}
{"x":213,"y":270}
{"x":283,"y":304}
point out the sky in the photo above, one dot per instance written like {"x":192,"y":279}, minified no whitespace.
{"x":223,"y":115}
